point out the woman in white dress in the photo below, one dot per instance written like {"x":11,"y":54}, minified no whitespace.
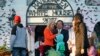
{"x":71,"y":41}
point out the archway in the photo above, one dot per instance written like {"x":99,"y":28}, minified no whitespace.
{"x":40,"y":12}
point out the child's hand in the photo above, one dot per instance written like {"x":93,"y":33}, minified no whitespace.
{"x":82,"y":51}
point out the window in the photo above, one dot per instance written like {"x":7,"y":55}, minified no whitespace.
{"x":2,"y":3}
{"x":92,"y":2}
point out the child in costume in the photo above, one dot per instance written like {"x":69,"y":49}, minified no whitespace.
{"x":60,"y":44}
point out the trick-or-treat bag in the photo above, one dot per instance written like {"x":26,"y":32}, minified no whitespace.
{"x":53,"y":52}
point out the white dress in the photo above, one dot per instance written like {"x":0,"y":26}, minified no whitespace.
{"x":71,"y":42}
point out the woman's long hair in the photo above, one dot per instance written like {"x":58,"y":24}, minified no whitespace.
{"x":78,"y":29}
{"x":54,"y":31}
{"x":79,"y":17}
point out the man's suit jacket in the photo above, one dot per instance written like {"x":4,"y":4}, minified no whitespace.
{"x":66,"y":37}
{"x":65,"y":34}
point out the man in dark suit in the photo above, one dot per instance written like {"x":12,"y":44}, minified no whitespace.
{"x":60,"y":29}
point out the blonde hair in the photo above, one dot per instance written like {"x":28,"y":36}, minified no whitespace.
{"x":50,"y":22}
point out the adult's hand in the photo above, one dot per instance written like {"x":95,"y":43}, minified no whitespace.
{"x":70,"y":50}
{"x":82,"y":51}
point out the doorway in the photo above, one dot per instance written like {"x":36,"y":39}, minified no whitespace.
{"x":36,"y":38}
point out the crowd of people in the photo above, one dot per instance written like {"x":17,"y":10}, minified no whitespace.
{"x":71,"y":42}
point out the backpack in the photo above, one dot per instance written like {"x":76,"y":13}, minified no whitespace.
{"x":21,"y":39}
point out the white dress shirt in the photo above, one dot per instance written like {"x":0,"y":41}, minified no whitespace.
{"x":59,"y":31}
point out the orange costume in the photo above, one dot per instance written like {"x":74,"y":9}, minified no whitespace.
{"x":48,"y":37}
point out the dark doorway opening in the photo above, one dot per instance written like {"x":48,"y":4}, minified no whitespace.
{"x":39,"y":36}
{"x":39,"y":32}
